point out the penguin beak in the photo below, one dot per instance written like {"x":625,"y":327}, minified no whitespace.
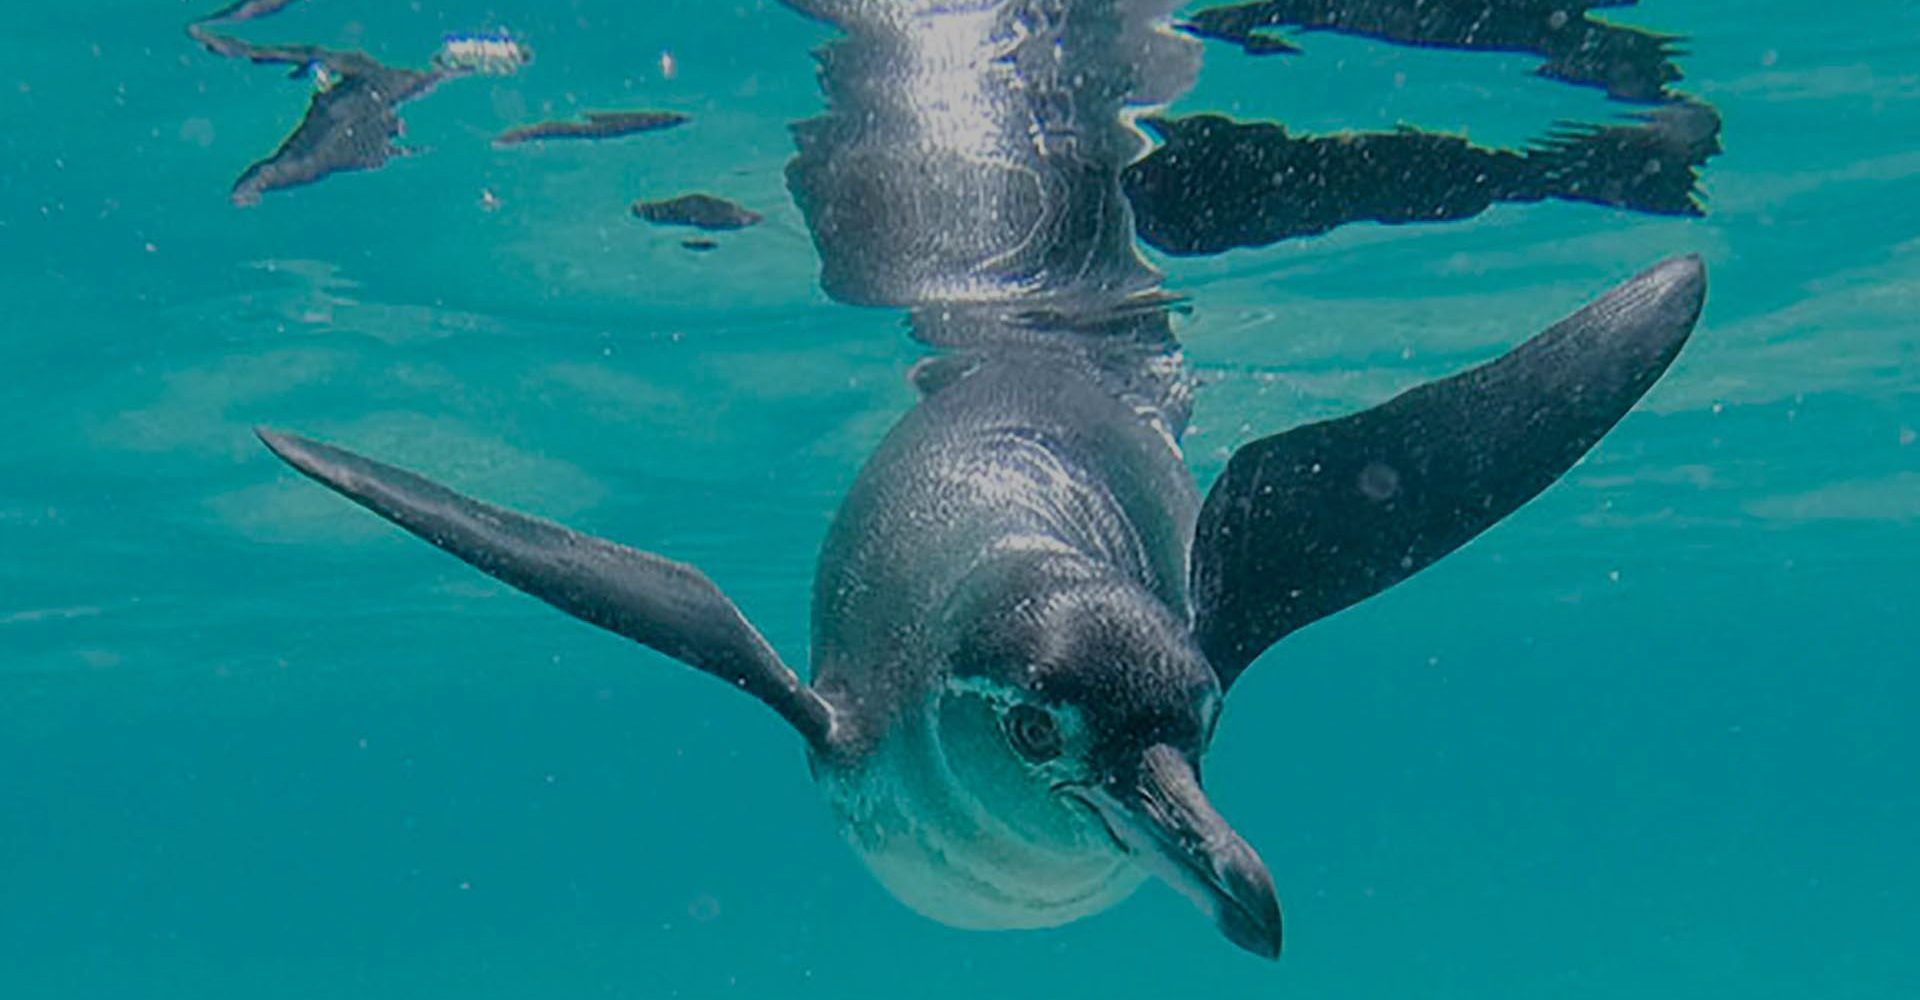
{"x":1163,"y":817}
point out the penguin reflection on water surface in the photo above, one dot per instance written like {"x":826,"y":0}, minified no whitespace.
{"x":1025,"y":618}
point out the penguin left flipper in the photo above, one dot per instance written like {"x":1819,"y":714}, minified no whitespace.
{"x":1308,"y":522}
{"x":668,"y":606}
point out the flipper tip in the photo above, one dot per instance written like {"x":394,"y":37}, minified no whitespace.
{"x":1625,"y":338}
{"x":278,"y":442}
{"x":309,"y":457}
{"x":1672,"y":290}
{"x":1685,"y":270}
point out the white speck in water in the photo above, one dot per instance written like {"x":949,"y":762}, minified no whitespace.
{"x":1613,"y":575}
{"x":197,"y":131}
{"x":1907,"y":436}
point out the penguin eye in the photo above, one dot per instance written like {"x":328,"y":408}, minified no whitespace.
{"x":1033,"y":733}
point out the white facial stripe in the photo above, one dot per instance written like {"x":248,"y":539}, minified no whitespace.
{"x":1072,"y":721}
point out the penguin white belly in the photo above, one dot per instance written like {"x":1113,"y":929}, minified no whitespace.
{"x":920,"y":819}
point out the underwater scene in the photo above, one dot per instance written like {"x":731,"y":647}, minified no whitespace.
{"x":1242,"y":498}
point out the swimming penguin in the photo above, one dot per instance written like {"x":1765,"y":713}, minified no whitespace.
{"x":1025,"y":617}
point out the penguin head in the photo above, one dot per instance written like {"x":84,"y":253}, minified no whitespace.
{"x":1076,"y":708}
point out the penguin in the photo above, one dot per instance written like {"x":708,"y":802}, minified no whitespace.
{"x":1026,"y":619}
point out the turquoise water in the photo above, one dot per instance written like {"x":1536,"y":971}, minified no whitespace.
{"x":1649,"y":738}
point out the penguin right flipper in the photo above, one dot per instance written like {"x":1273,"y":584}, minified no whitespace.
{"x":1316,"y":519}
{"x":668,"y":606}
